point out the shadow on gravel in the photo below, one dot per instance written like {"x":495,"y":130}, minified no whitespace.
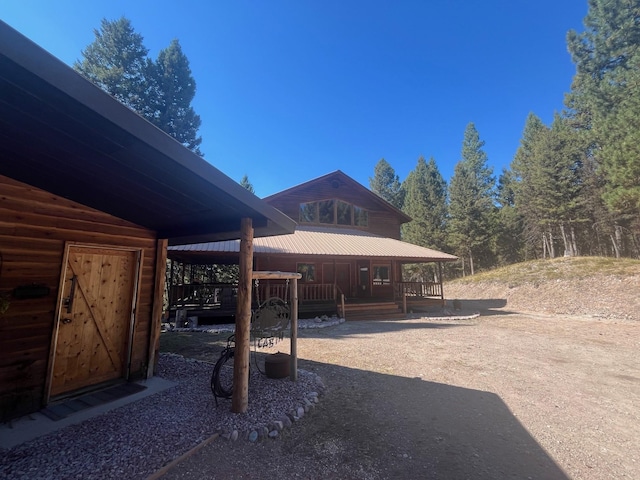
{"x":486,"y":306}
{"x":485,"y":303}
{"x":421,"y":429}
{"x":377,"y":426}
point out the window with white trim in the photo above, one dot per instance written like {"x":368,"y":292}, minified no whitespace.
{"x":381,"y":275}
{"x":308,"y":272}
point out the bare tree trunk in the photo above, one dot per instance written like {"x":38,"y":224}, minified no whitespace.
{"x":544,"y":246}
{"x":567,"y":248}
{"x":615,"y":246}
{"x":599,"y":246}
{"x":471,"y":262}
{"x":636,"y":247}
{"x":574,"y":241}
{"x":552,"y":248}
{"x":618,"y":240}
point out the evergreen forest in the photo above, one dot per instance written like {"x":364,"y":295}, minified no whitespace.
{"x":572,"y":187}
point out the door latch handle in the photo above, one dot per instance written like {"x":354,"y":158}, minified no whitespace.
{"x":66,"y":320}
{"x":68,"y":302}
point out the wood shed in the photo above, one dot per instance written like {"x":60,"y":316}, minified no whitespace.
{"x":91,"y":194}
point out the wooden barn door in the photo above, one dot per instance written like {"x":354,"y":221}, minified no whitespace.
{"x":95,"y":317}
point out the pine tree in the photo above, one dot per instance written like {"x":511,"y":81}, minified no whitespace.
{"x":526,"y":174}
{"x":606,"y":236}
{"x":247,"y":184}
{"x":509,"y":235}
{"x":117,"y":62}
{"x":426,"y":203}
{"x":549,"y":196}
{"x":471,"y":207}
{"x":560,"y":157}
{"x":161,"y":91}
{"x":176,"y":90}
{"x":605,"y":98}
{"x":386,"y":184}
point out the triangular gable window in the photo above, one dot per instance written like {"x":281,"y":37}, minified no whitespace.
{"x":333,"y":212}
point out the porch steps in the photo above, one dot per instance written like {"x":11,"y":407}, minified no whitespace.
{"x":373,"y":311}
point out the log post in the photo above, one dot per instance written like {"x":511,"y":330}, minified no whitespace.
{"x":240,"y":396}
{"x":293,"y":370}
{"x":156,"y":312}
{"x":442,"y":301}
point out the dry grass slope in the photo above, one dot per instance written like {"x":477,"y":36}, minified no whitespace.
{"x":586,"y":286}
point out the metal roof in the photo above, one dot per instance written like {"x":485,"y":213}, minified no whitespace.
{"x":333,"y":242}
{"x":61,"y":133}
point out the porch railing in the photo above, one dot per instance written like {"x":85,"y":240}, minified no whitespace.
{"x":320,"y":292}
{"x":203,"y":295}
{"x":418,"y":289}
{"x":307,"y":292}
{"x":223,"y":295}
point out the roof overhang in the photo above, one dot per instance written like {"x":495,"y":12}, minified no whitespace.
{"x":61,"y":133}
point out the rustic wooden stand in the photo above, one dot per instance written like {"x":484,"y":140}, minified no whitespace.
{"x":293,"y":372}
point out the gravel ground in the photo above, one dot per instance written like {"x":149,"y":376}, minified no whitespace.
{"x":136,"y":440}
{"x":502,"y":395}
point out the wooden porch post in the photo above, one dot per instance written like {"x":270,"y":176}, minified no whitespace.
{"x":293,"y":370}
{"x":240,"y":396}
{"x":393,"y":274}
{"x":441,"y":287}
{"x":169,"y":289}
{"x":156,"y":312}
{"x":397,"y":279}
{"x":335,"y":280}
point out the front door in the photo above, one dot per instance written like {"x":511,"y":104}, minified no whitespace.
{"x":341,"y":276}
{"x":95,"y":317}
{"x":364,"y":280}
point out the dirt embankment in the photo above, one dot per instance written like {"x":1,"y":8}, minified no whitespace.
{"x":607,"y":296}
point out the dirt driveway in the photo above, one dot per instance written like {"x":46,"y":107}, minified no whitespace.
{"x":500,"y":396}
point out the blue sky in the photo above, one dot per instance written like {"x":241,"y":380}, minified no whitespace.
{"x":292,"y":90}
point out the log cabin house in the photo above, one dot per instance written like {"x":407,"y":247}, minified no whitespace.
{"x":347,"y":247}
{"x":91,"y":194}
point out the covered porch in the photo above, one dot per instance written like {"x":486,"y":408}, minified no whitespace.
{"x":349,"y":289}
{"x":343,"y":271}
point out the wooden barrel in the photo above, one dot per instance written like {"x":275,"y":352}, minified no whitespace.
{"x":276,"y":365}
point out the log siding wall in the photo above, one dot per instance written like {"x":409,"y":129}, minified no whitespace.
{"x":34,"y":228}
{"x":290,"y":264}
